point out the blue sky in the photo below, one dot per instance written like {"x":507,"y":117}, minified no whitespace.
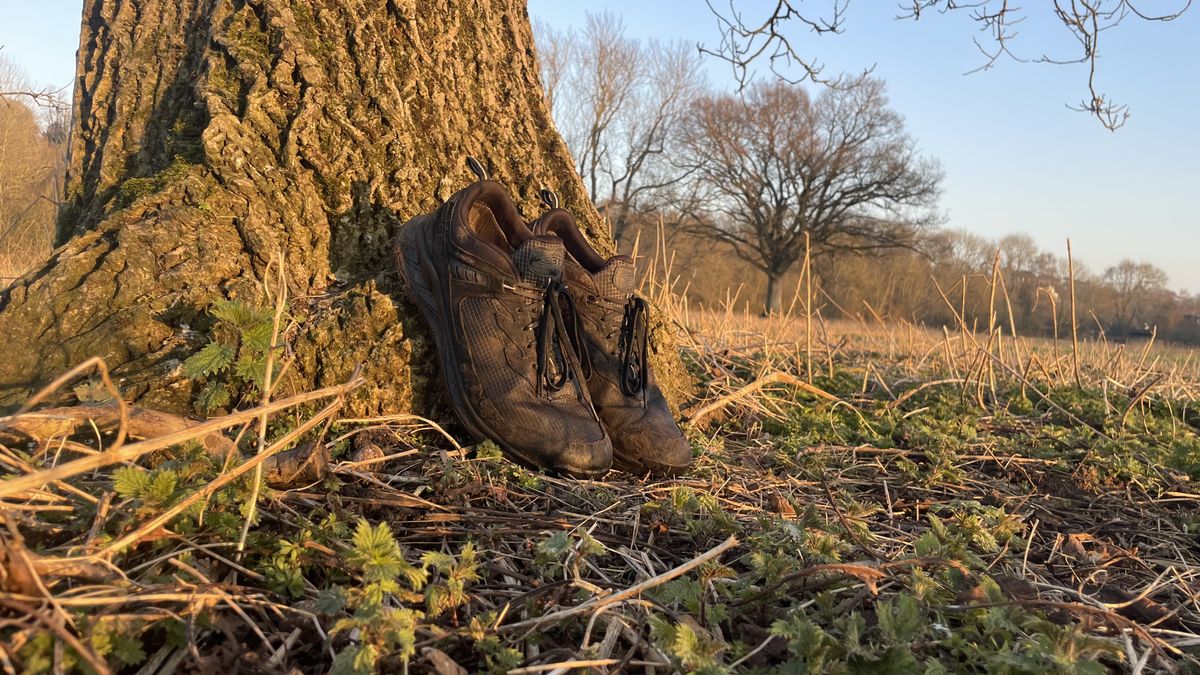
{"x":1016,"y":159}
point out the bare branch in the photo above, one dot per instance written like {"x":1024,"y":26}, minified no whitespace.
{"x":43,"y":98}
{"x":743,"y":42}
{"x":15,"y":86}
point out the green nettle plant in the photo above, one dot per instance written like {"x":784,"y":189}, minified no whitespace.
{"x":453,"y":574}
{"x":290,"y":565}
{"x":154,"y":489}
{"x":234,"y":362}
{"x":118,"y":640}
{"x":380,"y":622}
{"x":561,"y":553}
{"x":695,"y":652}
{"x":496,"y":656}
{"x":147,"y":491}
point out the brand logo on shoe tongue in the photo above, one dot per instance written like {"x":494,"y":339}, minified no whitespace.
{"x":616,"y":279}
{"x":539,"y":260}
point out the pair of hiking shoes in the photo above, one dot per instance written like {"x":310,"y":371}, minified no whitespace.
{"x":543,"y":343}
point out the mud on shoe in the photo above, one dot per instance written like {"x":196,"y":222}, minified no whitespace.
{"x":492,"y":294}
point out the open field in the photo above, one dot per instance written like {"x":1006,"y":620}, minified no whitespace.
{"x":946,"y":449}
{"x":924,"y":501}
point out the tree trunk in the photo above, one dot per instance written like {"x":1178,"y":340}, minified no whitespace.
{"x":773,"y":304}
{"x":214,"y":137}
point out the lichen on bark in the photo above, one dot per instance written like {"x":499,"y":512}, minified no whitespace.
{"x":213,"y":137}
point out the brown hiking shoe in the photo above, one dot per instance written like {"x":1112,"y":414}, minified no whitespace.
{"x":644,"y":434}
{"x":492,"y":295}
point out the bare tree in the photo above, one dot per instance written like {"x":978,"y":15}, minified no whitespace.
{"x":619,"y":102}
{"x":30,"y":176}
{"x":777,"y":165}
{"x":604,"y":75}
{"x":556,"y":49}
{"x":1133,"y":286}
{"x":746,"y":40}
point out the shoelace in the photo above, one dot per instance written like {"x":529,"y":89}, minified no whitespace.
{"x":632,"y":347}
{"x":556,"y":335}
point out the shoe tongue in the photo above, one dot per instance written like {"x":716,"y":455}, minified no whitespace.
{"x":540,"y":260}
{"x":615,"y":279}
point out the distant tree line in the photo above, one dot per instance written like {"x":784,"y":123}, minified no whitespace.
{"x":760,"y":179}
{"x":952,"y":272}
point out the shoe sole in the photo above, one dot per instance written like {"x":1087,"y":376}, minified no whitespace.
{"x":638,"y":468}
{"x":423,"y":283}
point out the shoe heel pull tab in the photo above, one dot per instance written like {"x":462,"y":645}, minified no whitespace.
{"x":477,"y":168}
{"x":549,"y":198}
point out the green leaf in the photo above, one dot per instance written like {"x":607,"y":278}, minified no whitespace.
{"x":131,"y":481}
{"x":927,"y":545}
{"x":686,"y":644}
{"x":896,"y":659}
{"x":378,"y":555}
{"x":161,"y":489}
{"x":38,"y":653}
{"x":118,"y":639}
{"x":331,"y":601}
{"x":438,"y":599}
{"x":251,"y":369}
{"x":589,"y":545}
{"x":213,"y":358}
{"x":685,"y":592}
{"x":415,"y":576}
{"x":401,"y":635}
{"x":467,"y":563}
{"x":855,"y":627}
{"x":240,"y":315}
{"x":900,"y":620}
{"x":214,"y":395}
{"x":258,"y":337}
{"x":128,"y":650}
{"x":805,"y":639}
{"x":354,"y":660}
{"x":697,"y":653}
{"x":489,"y":451}
{"x":935,"y":668}
{"x":441,"y":562}
{"x":552,"y":549}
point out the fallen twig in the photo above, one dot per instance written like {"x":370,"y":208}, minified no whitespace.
{"x":634,"y":591}
{"x":131,"y":452}
{"x":694,"y":417}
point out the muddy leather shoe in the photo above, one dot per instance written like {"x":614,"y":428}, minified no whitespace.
{"x":644,"y":434}
{"x":492,"y":295}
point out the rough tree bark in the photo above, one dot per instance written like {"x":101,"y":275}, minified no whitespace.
{"x":212,"y":136}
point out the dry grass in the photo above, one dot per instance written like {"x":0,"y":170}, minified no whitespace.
{"x":849,"y":476}
{"x":31,"y":175}
{"x":921,"y":352}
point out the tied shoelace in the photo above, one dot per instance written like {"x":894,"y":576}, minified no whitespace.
{"x":562,"y":337}
{"x":632,"y":347}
